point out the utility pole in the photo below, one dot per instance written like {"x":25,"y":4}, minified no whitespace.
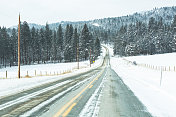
{"x":19,"y":48}
{"x":78,"y":55}
{"x":90,"y":57}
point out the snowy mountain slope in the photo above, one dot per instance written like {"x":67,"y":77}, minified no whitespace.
{"x":115,"y":23}
{"x":167,"y":13}
{"x":37,"y":26}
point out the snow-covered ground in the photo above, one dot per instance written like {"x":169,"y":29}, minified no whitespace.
{"x":42,"y":69}
{"x":96,"y":24}
{"x":160,"y":100}
{"x":12,"y":84}
{"x":161,"y":60}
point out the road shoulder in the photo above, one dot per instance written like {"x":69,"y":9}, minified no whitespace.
{"x":118,"y":100}
{"x":108,"y":102}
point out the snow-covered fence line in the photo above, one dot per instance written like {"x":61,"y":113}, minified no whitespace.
{"x":51,"y":69}
{"x":154,"y":67}
{"x":29,"y":71}
{"x":163,"y":68}
{"x":35,"y":73}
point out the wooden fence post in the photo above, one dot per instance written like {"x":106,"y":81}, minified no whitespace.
{"x":161,"y":76}
{"x":6,"y":74}
{"x":35,"y":73}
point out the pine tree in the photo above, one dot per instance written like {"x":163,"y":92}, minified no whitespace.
{"x":151,"y":25}
{"x":54,"y":47}
{"x":118,"y":47}
{"x":75,"y":44}
{"x":66,"y":44}
{"x":106,"y":38}
{"x":26,"y":39}
{"x":60,"y":43}
{"x":91,"y":44}
{"x":174,"y":44}
{"x":84,"y":45}
{"x":60,"y":37}
{"x":174,"y":25}
{"x":97,"y":47}
{"x":38,"y":46}
{"x":14,"y":44}
{"x":130,"y":33}
{"x":121,"y":41}
{"x":70,"y":48}
{"x":43,"y":45}
{"x":5,"y":46}
{"x":33,"y":43}
{"x":48,"y":37}
{"x":131,"y":49}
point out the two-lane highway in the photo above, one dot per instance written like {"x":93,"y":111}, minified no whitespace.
{"x":72,"y":104}
{"x":98,"y":92}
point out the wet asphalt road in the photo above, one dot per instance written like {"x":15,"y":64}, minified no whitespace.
{"x":98,"y":92}
{"x":118,"y":100}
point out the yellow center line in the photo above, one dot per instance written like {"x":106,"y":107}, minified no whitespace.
{"x":73,"y":99}
{"x":91,"y":86}
{"x":68,"y":110}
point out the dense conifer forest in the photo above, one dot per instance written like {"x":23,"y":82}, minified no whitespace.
{"x":146,"y":33}
{"x":47,"y":45}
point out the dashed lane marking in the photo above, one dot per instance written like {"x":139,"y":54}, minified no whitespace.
{"x":74,"y":98}
{"x":91,"y":86}
{"x":68,"y":110}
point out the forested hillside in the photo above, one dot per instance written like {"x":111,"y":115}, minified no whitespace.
{"x":150,"y":32}
{"x":48,"y":45}
{"x":155,"y":36}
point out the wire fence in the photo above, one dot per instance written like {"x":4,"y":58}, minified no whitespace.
{"x":153,"y":67}
{"x":37,"y":73}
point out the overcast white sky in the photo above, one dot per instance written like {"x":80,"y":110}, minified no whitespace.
{"x":51,"y":11}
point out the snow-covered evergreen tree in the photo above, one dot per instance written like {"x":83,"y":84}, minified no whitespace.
{"x":97,"y":47}
{"x":48,"y":40}
{"x":60,"y":40}
{"x":26,"y":42}
{"x":75,"y":42}
{"x":84,"y":43}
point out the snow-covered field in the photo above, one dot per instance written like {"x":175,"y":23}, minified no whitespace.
{"x":160,"y":100}
{"x":161,"y":60}
{"x":12,"y":84}
{"x":42,"y":69}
